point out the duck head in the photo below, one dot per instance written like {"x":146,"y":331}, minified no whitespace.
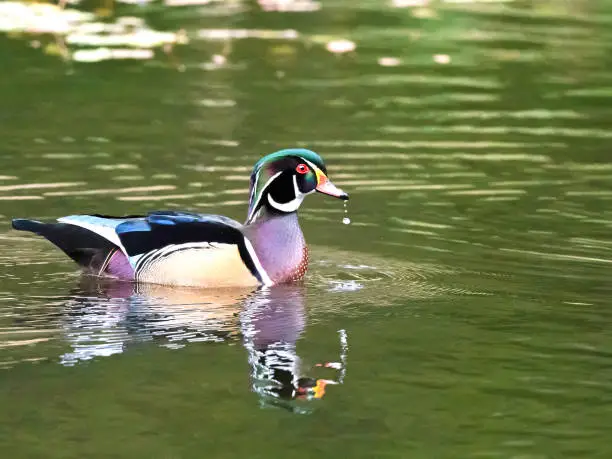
{"x":281,"y":180}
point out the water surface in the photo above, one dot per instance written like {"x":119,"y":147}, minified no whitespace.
{"x":462,"y":313}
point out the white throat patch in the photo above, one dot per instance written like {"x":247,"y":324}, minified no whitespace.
{"x":290,"y":206}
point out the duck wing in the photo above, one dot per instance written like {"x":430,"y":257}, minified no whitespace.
{"x":160,"y":229}
{"x":165,"y":247}
{"x":182,"y":248}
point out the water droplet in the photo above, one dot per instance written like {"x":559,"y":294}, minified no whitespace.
{"x":346,"y":220}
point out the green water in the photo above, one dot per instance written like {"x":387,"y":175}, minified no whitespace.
{"x":466,"y":306}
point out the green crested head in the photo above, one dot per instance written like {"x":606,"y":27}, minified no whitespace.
{"x":281,"y":180}
{"x":303,"y":153}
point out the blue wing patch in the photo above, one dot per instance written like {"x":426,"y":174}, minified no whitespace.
{"x":160,"y":229}
{"x":132,"y":225}
{"x":171,"y":220}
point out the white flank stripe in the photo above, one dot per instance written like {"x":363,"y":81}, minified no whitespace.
{"x":290,"y":206}
{"x":135,"y":260}
{"x":262,"y":272}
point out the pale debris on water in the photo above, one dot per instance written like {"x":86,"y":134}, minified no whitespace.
{"x":135,"y":2}
{"x":39,"y":18}
{"x":294,"y":6}
{"x":186,"y":2}
{"x":218,"y":59}
{"x":389,"y":61}
{"x":104,"y":54}
{"x":127,"y":38}
{"x":341,"y":46}
{"x":409,"y":3}
{"x":123,"y":34}
{"x":263,"y":34}
{"x":441,"y":58}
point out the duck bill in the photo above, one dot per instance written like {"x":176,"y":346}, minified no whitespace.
{"x":319,"y":389}
{"x":325,"y":186}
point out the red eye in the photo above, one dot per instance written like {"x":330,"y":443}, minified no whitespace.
{"x":302,"y":168}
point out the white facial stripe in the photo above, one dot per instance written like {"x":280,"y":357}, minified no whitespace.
{"x":297,"y":191}
{"x":292,"y":205}
{"x":254,"y":208}
{"x":254,"y":187}
{"x":312,"y":166}
{"x":287,"y":207}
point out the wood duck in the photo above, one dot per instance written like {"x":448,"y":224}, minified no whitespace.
{"x":199,"y":250}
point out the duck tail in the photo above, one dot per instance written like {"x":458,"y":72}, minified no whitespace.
{"x":23,"y":224}
{"x":85,"y":247}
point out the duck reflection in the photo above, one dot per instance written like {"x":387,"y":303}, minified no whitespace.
{"x":106,"y":317}
{"x":272,"y":322}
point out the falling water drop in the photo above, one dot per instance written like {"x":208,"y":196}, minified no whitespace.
{"x":346,"y":220}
